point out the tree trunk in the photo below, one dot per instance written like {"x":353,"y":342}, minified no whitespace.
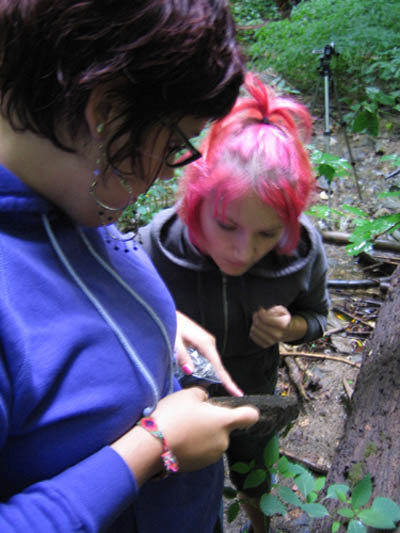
{"x":371,"y":439}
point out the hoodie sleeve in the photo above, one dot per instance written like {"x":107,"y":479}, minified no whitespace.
{"x":86,"y":497}
{"x":313,"y":304}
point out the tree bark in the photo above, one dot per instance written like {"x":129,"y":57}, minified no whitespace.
{"x":371,"y":438}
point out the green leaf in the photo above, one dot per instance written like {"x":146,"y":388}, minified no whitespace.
{"x":354,"y":210}
{"x":312,"y":497}
{"x":346,"y":512}
{"x":387,"y":506}
{"x":391,"y":194}
{"x":230,"y":493}
{"x":283,"y":467}
{"x":241,"y":468}
{"x":315,"y":510}
{"x":377,"y":519}
{"x":355,"y":526}
{"x":270,"y":505}
{"x":319,"y":484}
{"x":271,"y":452}
{"x":289,"y":496}
{"x":338,"y":492}
{"x":255,"y":478}
{"x":305,"y":483}
{"x":357,"y":247}
{"x":384,"y":223}
{"x":233,"y":511}
{"x":362,"y":492}
{"x":392,"y":158}
{"x":366,"y":122}
{"x":327,"y":171}
{"x":335,"y":527}
{"x":297,"y":469}
{"x":323,"y":211}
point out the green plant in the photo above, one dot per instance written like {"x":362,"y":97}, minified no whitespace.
{"x":354,"y":512}
{"x":365,"y":114}
{"x":366,"y":38}
{"x":329,"y":165}
{"x":160,"y":195}
{"x":250,"y":12}
{"x":367,"y":228}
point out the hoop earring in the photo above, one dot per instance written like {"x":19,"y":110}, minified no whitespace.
{"x":106,"y":207}
{"x":124,"y":184}
{"x":106,"y":221}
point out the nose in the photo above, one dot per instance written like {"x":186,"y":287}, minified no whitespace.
{"x":244,"y":247}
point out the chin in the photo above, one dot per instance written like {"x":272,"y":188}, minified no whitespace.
{"x":234,"y":271}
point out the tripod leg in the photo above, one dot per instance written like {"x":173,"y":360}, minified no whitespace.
{"x":327,"y":131}
{"x":346,"y":138}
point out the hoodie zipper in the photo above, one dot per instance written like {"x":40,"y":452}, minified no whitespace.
{"x":225,"y":310}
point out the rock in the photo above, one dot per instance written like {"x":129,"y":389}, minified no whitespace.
{"x":276,"y":412}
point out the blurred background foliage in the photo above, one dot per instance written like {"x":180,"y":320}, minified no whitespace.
{"x":283,"y":41}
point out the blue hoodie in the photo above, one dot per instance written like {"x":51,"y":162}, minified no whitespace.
{"x":87,"y":333}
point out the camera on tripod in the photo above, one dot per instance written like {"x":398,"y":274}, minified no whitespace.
{"x":327,"y":52}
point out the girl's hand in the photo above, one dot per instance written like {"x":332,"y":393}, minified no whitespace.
{"x":276,"y":324}
{"x":196,"y":431}
{"x":190,"y":334}
{"x":269,"y":325}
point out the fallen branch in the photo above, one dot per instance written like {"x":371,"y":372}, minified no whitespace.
{"x":312,"y":466}
{"x":320,"y":356}
{"x":339,"y":237}
{"x":356,"y":283}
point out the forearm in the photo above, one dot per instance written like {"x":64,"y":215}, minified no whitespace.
{"x":88,"y":497}
{"x":141,"y":452}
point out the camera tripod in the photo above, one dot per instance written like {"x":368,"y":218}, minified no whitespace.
{"x":325,"y":71}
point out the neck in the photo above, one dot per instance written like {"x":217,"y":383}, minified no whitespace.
{"x":62,"y":177}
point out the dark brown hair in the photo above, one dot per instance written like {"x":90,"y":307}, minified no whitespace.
{"x":160,"y":58}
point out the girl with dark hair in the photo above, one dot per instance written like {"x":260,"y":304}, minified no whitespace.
{"x":238,"y":255}
{"x":97,"y":100}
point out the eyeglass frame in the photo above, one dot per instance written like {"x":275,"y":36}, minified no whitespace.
{"x":195,"y":153}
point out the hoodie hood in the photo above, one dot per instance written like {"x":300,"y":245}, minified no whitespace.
{"x":168,"y":236}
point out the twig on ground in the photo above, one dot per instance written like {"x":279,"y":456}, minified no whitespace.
{"x":343,"y":311}
{"x":296,"y":377}
{"x":320,"y":356}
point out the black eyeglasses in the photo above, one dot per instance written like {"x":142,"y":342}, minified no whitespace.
{"x":183,"y":152}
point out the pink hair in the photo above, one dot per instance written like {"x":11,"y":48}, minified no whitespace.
{"x":257,"y":147}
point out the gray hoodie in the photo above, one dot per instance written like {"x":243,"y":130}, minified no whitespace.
{"x":224,"y":304}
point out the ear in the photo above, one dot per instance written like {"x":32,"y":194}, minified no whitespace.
{"x":98,"y":110}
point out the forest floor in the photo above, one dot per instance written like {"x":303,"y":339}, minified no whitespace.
{"x":324,"y":386}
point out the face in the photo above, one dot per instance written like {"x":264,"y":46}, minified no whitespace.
{"x":248,"y":231}
{"x":122,"y":189}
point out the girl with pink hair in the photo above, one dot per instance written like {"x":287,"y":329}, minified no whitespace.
{"x":238,"y":254}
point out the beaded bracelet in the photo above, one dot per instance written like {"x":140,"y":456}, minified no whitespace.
{"x":170,"y":461}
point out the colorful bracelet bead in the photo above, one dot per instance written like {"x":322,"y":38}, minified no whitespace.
{"x":169,"y":460}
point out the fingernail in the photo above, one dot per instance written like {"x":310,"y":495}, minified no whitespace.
{"x":187,"y":370}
